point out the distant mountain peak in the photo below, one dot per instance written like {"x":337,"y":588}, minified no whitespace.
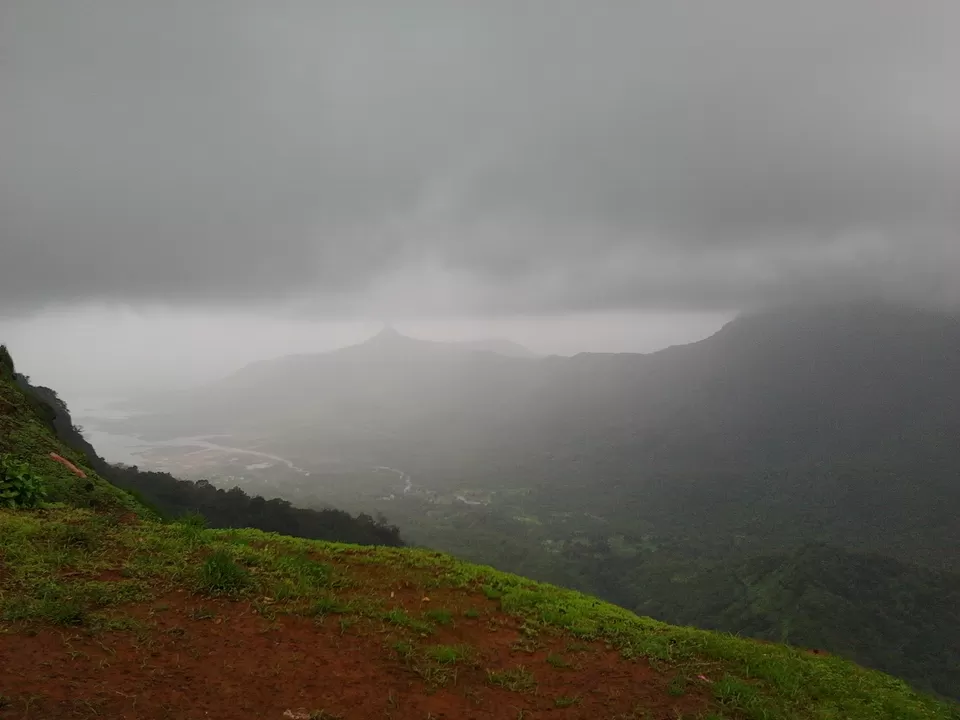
{"x":388,"y":332}
{"x":390,"y":337}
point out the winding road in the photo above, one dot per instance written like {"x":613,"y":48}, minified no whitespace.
{"x":407,"y":481}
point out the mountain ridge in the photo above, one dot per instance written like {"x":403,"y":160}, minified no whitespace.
{"x":841,"y":412}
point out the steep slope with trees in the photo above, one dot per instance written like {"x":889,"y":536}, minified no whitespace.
{"x":172,"y":497}
{"x":883,"y":613}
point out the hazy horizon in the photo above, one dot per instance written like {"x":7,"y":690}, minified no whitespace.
{"x":137,"y":351}
{"x":191,"y":186}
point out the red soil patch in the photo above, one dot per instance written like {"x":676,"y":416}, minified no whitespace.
{"x":239,"y":665}
{"x":69,"y":465}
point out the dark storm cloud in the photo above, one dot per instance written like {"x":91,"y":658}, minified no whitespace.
{"x":481,"y":157}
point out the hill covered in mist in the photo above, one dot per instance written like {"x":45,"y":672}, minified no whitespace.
{"x":168,"y":496}
{"x":839,"y":419}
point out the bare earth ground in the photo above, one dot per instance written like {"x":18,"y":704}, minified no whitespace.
{"x":217,"y":659}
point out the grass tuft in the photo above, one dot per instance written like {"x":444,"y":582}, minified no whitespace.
{"x":221,"y":575}
{"x":678,"y":686}
{"x":491,"y":592}
{"x":439,"y":616}
{"x":193,"y":520}
{"x":327,"y":605}
{"x":517,"y":679}
{"x":404,"y":649}
{"x":400,"y":618}
{"x":448,"y":654}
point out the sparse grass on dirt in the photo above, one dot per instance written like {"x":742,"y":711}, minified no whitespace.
{"x":449,"y":654}
{"x":439,"y":616}
{"x":400,"y":618}
{"x":76,"y":571}
{"x":517,"y":679}
{"x":324,"y":715}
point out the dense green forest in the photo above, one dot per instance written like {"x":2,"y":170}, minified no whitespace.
{"x":878,"y":611}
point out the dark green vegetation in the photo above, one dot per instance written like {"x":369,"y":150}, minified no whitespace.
{"x":19,"y":485}
{"x":173,"y":498}
{"x":873,"y":609}
{"x":27,"y":438}
{"x":731,"y":483}
{"x":6,"y":361}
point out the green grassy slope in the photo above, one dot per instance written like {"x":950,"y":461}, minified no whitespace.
{"x":91,"y":559}
{"x":27,"y":434}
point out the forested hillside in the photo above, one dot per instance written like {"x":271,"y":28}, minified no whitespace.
{"x":175,"y":498}
{"x":873,"y":609}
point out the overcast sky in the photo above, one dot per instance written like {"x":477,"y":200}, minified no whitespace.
{"x":583,"y":175}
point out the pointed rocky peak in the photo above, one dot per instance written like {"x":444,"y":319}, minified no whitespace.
{"x":389,"y":341}
{"x":389,"y":336}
